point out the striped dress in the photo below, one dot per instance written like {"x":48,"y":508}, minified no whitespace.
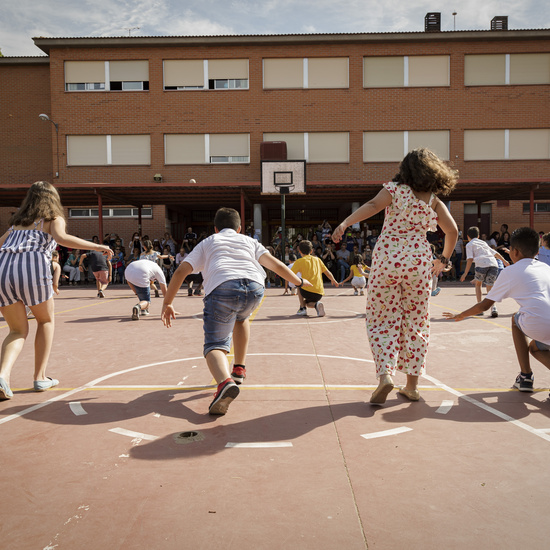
{"x":25,"y":273}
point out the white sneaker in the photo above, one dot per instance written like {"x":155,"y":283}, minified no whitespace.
{"x":355,"y":293}
{"x":135,"y":313}
{"x":320,"y":308}
{"x":302,"y":312}
{"x":145,"y":312}
{"x":494,"y":311}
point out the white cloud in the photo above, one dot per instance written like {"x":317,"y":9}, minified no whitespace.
{"x":23,"y":19}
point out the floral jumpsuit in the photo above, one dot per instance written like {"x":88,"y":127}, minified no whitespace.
{"x":400,"y":283}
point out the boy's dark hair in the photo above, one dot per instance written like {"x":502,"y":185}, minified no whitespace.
{"x":526,"y":240}
{"x":305,"y":247}
{"x":227,"y":218}
{"x":292,"y":257}
{"x":473,"y":232}
{"x":546,"y":240}
{"x":422,"y":170}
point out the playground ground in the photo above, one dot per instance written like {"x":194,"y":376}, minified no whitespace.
{"x":122,"y":454}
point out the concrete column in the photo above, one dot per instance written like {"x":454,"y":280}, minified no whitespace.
{"x":258,"y":222}
{"x":355,"y":206}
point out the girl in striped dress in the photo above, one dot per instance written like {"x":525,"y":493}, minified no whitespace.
{"x":26,"y":279}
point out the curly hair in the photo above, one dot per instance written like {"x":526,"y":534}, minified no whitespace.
{"x":41,"y":202}
{"x":422,"y":170}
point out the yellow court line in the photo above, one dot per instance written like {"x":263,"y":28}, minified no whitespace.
{"x":317,"y":387}
{"x":77,"y":308}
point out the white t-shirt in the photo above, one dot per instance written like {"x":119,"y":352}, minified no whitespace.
{"x":226,"y":256}
{"x":528,"y":283}
{"x":141,"y":272}
{"x":482,"y":254}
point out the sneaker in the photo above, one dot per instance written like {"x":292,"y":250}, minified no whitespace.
{"x":100,"y":294}
{"x":494,"y":312}
{"x":320,"y":309}
{"x":436,"y":291}
{"x":238,"y":374}
{"x":189,"y":292}
{"x":157,"y":293}
{"x":302,"y":312}
{"x":524,"y":382}
{"x":135,"y":313}
{"x":227,"y":391}
{"x":5,"y":391}
{"x":362,"y":293}
{"x":145,"y":311}
{"x":355,"y":293}
{"x":198,"y":292}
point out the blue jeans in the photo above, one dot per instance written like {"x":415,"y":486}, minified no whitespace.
{"x":343,"y":266}
{"x":228,"y":303}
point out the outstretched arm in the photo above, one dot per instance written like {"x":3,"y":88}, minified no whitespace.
{"x":480,"y":307}
{"x":369,"y":209}
{"x":273,"y":264}
{"x":168,"y":312}
{"x":57,"y":231}
{"x":448,"y":225}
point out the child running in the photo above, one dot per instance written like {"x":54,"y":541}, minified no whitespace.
{"x":358,"y":275}
{"x":401,"y":273}
{"x":527,"y":282}
{"x":231,"y":264}
{"x":485,"y":260}
{"x":26,"y":279}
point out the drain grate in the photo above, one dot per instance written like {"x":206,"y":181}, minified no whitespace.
{"x":183,"y":438}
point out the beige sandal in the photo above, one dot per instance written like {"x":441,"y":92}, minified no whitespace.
{"x":385,"y":386}
{"x":412,"y":395}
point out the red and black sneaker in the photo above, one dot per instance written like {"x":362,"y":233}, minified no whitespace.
{"x":238,"y":374}
{"x":227,"y":391}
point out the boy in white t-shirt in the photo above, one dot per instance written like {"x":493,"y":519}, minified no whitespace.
{"x":527,"y":281}
{"x":484,"y":258}
{"x":231,"y":264}
{"x":139,"y":275}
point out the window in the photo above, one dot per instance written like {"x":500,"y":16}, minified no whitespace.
{"x":108,"y":150}
{"x":199,"y":74}
{"x":124,"y":212}
{"x":505,"y":69}
{"x":393,"y":146}
{"x":106,"y":75}
{"x":538,"y":206}
{"x":314,"y":72}
{"x":206,"y":148}
{"x":521,"y":144}
{"x":407,"y":71}
{"x":314,"y":146}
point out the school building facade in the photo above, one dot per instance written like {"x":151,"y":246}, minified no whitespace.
{"x":161,"y":131}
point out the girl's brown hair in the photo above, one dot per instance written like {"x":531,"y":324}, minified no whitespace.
{"x":42,"y":202}
{"x":422,"y":170}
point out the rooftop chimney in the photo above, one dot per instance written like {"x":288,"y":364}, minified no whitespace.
{"x":499,"y":23}
{"x":432,"y":22}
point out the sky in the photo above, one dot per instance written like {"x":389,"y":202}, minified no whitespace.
{"x":21,"y":20}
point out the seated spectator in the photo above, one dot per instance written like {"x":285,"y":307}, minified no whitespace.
{"x":71,"y":267}
{"x":329,"y":259}
{"x":134,"y":255}
{"x":544,"y":250}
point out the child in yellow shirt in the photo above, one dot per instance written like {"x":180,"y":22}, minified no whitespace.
{"x":358,"y":275}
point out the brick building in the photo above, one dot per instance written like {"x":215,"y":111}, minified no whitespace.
{"x":170,"y":128}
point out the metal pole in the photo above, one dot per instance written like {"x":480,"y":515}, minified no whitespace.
{"x":283,"y":228}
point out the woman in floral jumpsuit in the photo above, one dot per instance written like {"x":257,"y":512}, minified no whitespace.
{"x":402,"y":267}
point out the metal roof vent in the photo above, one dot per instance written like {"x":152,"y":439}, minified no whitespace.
{"x":432,"y":22}
{"x":499,"y":23}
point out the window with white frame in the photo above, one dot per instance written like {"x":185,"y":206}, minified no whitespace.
{"x":207,"y":148}
{"x":124,"y":75}
{"x":312,"y":72}
{"x":508,"y":144}
{"x":406,"y":71}
{"x":205,"y":74}
{"x":108,"y":150}
{"x":321,"y":147}
{"x":115,"y":212}
{"x":393,"y":146}
{"x":506,"y":69}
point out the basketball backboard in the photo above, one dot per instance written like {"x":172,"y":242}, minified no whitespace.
{"x":283,"y":176}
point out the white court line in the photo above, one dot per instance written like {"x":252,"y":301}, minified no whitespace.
{"x":385,"y":433}
{"x":258,"y":444}
{"x":481,"y":405}
{"x":77,"y":408}
{"x":129,"y":433}
{"x":445,"y":407}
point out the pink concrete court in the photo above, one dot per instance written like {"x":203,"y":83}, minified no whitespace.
{"x":122,"y":454}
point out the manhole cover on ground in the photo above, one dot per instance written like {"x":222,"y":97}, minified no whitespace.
{"x":182,"y":438}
